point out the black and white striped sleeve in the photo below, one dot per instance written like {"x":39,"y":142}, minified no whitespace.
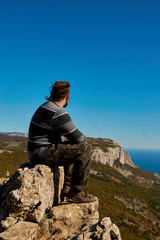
{"x":62,"y":123}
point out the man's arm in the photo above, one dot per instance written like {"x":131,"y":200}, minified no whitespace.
{"x":64,"y":125}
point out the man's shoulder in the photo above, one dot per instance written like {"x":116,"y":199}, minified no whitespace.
{"x":51,"y":106}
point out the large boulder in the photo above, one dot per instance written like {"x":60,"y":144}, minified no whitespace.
{"x":21,"y":231}
{"x":29,"y":194}
{"x":68,"y":219}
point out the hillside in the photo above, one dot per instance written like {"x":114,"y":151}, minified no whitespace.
{"x":134,"y":208}
{"x":13,"y":152}
{"x":107,"y":152}
{"x":132,"y":201}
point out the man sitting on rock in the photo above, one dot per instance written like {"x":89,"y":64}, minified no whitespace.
{"x":49,"y":123}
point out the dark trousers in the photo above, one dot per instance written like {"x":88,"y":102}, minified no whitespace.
{"x":75,"y":158}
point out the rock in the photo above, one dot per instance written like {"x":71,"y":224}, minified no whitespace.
{"x":7,"y":173}
{"x":20,"y":231}
{"x":68,"y":219}
{"x":106,"y":151}
{"x":29,"y":193}
{"x":2,"y":188}
{"x":157,"y":175}
{"x":103,"y":230}
{"x":115,"y":157}
{"x":28,"y":212}
{"x":111,"y":155}
{"x":95,"y":172}
{"x":3,"y":180}
{"x":58,"y":173}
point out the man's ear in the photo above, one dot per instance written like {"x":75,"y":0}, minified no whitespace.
{"x":67,"y":97}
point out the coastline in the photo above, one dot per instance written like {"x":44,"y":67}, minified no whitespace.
{"x":147,"y":159}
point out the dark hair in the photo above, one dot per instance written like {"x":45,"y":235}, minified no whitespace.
{"x":59,"y":90}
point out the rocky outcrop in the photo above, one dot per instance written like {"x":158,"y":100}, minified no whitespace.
{"x":31,"y":209}
{"x":68,"y":220}
{"x":106,"y":151}
{"x":111,"y":156}
{"x":104,"y":230}
{"x":29,"y":193}
{"x":76,"y":222}
{"x":115,"y":157}
{"x":21,"y":231}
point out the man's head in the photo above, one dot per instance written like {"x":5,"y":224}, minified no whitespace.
{"x":60,"y":91}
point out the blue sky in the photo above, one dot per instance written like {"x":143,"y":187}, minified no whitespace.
{"x":108,"y":50}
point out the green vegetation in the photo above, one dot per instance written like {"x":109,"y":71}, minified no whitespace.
{"x":45,"y":216}
{"x":134,"y":208}
{"x":13,"y":153}
{"x":12,"y":161}
{"x":133,"y":225}
{"x":10,"y":142}
{"x":102,"y":143}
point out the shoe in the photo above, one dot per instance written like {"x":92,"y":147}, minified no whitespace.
{"x":64,"y":191}
{"x":80,"y":197}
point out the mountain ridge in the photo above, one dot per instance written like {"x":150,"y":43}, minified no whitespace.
{"x":19,"y":134}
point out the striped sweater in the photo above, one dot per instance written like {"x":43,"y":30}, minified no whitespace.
{"x":49,"y":123}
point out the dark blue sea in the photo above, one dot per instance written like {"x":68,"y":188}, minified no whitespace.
{"x":147,"y":159}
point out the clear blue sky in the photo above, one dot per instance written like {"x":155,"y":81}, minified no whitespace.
{"x":108,"y":50}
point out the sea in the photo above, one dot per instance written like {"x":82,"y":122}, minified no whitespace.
{"x":149,"y":160}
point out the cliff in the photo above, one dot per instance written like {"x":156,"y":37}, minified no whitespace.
{"x":30,"y":209}
{"x":106,"y":151}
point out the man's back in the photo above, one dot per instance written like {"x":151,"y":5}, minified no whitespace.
{"x":49,"y":123}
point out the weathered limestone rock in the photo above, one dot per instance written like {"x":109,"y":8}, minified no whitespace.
{"x":3,"y":180}
{"x":111,"y":155}
{"x":29,"y":211}
{"x":20,"y":231}
{"x":68,"y":219}
{"x":115,"y":157}
{"x":103,"y":230}
{"x":29,"y":193}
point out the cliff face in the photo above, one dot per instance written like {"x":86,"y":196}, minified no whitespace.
{"x":30,"y":209}
{"x":112,"y":156}
{"x":108,"y":152}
